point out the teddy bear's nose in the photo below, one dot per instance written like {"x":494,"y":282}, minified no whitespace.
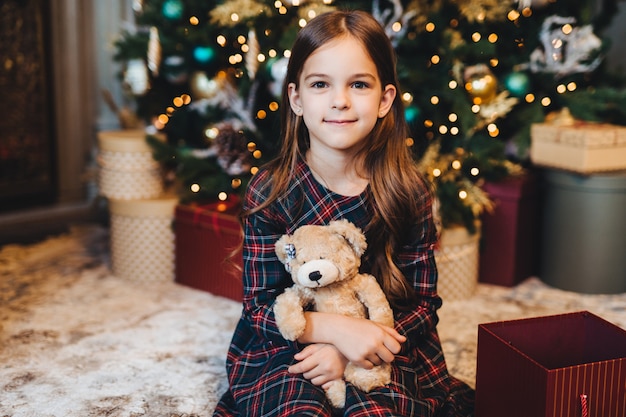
{"x":315,"y":276}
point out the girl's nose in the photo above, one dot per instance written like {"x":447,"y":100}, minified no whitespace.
{"x":340,"y":99}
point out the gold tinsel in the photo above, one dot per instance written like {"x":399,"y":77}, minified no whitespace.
{"x":485,"y":10}
{"x":154,"y":51}
{"x":422,"y":9}
{"x":244,"y":9}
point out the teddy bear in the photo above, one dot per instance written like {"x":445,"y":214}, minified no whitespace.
{"x":324,"y":262}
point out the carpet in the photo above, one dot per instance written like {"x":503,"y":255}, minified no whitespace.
{"x":76,"y":341}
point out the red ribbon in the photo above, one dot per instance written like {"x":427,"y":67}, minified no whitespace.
{"x":583,"y":405}
{"x":231,"y":205}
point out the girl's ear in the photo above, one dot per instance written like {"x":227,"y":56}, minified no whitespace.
{"x":294,"y":99}
{"x":386,"y":101}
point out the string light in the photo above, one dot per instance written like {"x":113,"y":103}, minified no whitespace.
{"x":546,"y":101}
{"x":462,"y":194}
{"x":430,"y":27}
{"x":194,"y":188}
{"x":513,"y":15}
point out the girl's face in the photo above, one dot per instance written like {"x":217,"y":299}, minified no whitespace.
{"x":340,"y":96}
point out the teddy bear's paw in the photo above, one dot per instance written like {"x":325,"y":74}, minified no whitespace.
{"x":336,"y":393}
{"x":289,"y":315}
{"x":368,"y":379}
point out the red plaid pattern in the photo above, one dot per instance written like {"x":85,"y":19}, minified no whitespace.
{"x":258,"y":358}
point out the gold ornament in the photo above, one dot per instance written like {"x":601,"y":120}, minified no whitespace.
{"x":480,"y":83}
{"x":154,"y":51}
{"x":202,"y":87}
{"x":252,"y":62}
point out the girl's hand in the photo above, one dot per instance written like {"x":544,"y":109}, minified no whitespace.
{"x":366,"y":343}
{"x":320,"y":363}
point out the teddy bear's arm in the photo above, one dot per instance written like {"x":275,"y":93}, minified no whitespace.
{"x":289,"y":313}
{"x":372,"y":296}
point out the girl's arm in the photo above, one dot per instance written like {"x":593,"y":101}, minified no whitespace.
{"x":416,"y":259}
{"x":363,"y":342}
{"x":264,"y":277}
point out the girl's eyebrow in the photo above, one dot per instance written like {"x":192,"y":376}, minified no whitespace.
{"x":358,"y":75}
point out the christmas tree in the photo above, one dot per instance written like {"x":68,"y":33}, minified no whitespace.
{"x":475,"y":75}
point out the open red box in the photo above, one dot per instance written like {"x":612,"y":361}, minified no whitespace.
{"x":540,"y":367}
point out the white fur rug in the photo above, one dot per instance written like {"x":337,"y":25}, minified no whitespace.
{"x":76,"y":341}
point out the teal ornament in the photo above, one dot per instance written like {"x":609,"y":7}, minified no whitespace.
{"x":517,"y":83}
{"x":411,"y":113}
{"x":203,"y":54}
{"x":172,"y":9}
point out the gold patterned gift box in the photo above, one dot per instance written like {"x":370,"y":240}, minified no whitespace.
{"x":457,"y":257}
{"x":142,"y":239}
{"x":581,"y":147}
{"x":127,"y":170}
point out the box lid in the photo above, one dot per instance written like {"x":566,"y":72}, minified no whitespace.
{"x":157,"y":207}
{"x":126,"y":140}
{"x":580,"y":134}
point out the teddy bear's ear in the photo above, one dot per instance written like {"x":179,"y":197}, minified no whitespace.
{"x":281,"y":248}
{"x":351,"y":233}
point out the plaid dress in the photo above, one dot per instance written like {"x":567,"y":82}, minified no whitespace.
{"x":259,"y":356}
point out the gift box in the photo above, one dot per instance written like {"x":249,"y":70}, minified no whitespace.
{"x":568,"y":365}
{"x":142,"y":238}
{"x":208,"y":248}
{"x":581,"y":147}
{"x":509,"y":249}
{"x":457,"y":263}
{"x":127,"y":170}
{"x":584,"y":232}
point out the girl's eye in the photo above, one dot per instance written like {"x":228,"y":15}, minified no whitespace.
{"x":360,"y":84}
{"x":318,"y":84}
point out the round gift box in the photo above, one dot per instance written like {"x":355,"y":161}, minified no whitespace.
{"x":457,"y":263}
{"x":127,"y":169}
{"x":584,"y":232}
{"x":142,"y":239}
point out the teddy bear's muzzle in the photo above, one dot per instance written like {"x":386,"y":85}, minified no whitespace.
{"x":317,"y":273}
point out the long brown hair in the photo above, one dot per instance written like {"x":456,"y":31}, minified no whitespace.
{"x":399,"y":192}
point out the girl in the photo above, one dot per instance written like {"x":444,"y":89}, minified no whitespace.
{"x":343,"y":156}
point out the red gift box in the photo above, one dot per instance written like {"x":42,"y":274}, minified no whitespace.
{"x":208,"y":248}
{"x":509,"y":251}
{"x":568,"y":365}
